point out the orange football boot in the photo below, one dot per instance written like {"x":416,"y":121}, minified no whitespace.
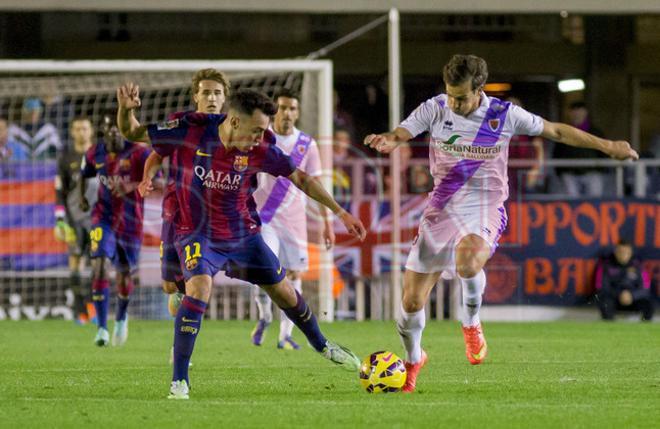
{"x":412,"y":370}
{"x":476,"y":348}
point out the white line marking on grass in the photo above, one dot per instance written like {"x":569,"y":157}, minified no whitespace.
{"x":350,"y":401}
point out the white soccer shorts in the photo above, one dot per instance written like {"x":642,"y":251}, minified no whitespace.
{"x":290,"y":250}
{"x":440,"y":231}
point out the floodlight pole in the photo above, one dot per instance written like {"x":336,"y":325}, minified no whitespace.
{"x":395,"y":157}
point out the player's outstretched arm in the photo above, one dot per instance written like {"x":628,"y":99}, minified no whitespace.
{"x":563,"y":133}
{"x":128,"y":99}
{"x":314,"y":189}
{"x":151,"y":167}
{"x":387,"y":142}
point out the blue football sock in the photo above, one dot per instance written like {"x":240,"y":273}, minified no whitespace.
{"x":124,"y":290}
{"x":301,"y":315}
{"x":101,"y":298}
{"x":186,"y":327}
{"x":122,"y":305}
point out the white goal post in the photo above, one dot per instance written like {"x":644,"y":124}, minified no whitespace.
{"x":89,"y":88}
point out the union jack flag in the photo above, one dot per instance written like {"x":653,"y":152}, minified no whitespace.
{"x":374,"y":255}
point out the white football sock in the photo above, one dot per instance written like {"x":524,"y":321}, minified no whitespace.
{"x":286,"y":325}
{"x":264,"y":306}
{"x":473,"y":289}
{"x":410,"y":327}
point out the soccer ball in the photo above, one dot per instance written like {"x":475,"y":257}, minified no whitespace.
{"x":382,"y":372}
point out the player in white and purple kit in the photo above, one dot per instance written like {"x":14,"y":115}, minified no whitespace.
{"x":282,"y":212}
{"x":469,"y":138}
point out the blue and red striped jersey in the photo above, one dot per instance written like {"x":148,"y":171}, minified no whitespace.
{"x":214,"y":185}
{"x":122,"y":210}
{"x":169,"y":193}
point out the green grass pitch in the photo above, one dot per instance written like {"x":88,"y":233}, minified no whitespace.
{"x":537,"y":375}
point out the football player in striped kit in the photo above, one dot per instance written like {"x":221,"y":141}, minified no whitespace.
{"x":218,"y":228}
{"x":116,"y":234}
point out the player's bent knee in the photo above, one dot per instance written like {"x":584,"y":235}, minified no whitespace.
{"x":412,"y":303}
{"x":469,"y":270}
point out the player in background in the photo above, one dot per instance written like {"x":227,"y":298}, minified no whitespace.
{"x":459,"y":230}
{"x":210,"y":87}
{"x":282,"y":212}
{"x":73,"y":224}
{"x":217,"y":228}
{"x":116,"y":234}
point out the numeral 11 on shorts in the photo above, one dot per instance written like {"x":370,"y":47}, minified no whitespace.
{"x":196,"y":254}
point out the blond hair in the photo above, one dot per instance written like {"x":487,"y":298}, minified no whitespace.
{"x":210,"y":74}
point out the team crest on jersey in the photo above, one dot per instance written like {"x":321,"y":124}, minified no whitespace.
{"x":494,"y":124}
{"x":168,"y":125}
{"x":240,"y":162}
{"x":191,"y":264}
{"x":125,"y":163}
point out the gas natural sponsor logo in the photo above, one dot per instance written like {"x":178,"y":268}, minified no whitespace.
{"x":460,"y":147}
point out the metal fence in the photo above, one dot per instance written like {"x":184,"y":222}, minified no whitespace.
{"x":37,"y":293}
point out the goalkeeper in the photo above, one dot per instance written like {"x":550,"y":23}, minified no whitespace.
{"x":73,"y":224}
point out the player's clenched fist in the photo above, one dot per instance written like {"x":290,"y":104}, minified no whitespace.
{"x":380,"y":143}
{"x":353,"y":225}
{"x":145,"y":187}
{"x":128,"y":96}
{"x":620,"y":149}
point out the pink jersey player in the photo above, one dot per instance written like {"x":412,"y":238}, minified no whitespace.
{"x":468,"y":157}
{"x":469,"y":138}
{"x":283,"y":213}
{"x":282,"y":206}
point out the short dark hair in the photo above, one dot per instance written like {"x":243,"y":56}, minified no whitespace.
{"x":577,"y":105}
{"x":286,"y":93}
{"x":246,"y":101}
{"x":341,"y":129}
{"x":624,"y":242}
{"x":461,"y":68}
{"x":111,"y":114}
{"x":109,"y":111}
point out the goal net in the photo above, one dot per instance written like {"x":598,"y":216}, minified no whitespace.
{"x":38,"y":99}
